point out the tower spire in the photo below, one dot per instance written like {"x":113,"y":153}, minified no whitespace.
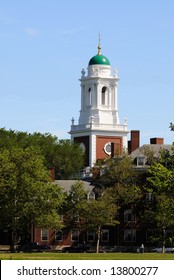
{"x":99,"y":47}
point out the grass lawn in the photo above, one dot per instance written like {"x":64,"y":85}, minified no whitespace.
{"x":85,"y":256}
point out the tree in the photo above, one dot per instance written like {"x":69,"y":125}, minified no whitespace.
{"x":87,"y":214}
{"x":101,"y":212}
{"x":171,"y":126}
{"x":75,"y":203}
{"x":69,"y":159}
{"x":66,"y":157}
{"x":161,"y":210}
{"x":27,"y":195}
{"x":119,"y":173}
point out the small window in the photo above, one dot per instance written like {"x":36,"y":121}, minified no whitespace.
{"x":105,"y":235}
{"x":140,"y":161}
{"x":44,"y":235}
{"x":90,"y":236}
{"x":107,"y":148}
{"x":75,"y":235}
{"x":129,"y":216}
{"x":130,"y":235}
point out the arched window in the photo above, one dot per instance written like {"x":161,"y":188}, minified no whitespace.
{"x":104,"y":96}
{"x":89,"y":96}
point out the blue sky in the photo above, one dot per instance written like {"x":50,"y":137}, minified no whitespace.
{"x":45,"y":44}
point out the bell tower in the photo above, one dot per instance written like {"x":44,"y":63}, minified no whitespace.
{"x":98,"y":125}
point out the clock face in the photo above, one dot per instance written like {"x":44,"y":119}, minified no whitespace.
{"x":107,"y":148}
{"x":82,"y":146}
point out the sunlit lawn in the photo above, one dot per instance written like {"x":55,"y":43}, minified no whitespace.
{"x":85,"y":256}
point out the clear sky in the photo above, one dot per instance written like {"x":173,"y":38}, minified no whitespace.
{"x":44,"y":44}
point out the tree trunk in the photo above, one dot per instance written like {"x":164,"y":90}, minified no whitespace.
{"x":164,"y":240}
{"x":98,"y":239}
{"x":13,"y":240}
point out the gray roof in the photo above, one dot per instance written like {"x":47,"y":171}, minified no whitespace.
{"x":156,"y":148}
{"x":67,"y":184}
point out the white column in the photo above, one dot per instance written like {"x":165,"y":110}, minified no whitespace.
{"x":82,"y":99}
{"x":97,"y":96}
{"x":92,"y":150}
{"x":92,"y":96}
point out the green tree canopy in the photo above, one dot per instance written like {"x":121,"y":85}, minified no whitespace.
{"x":101,"y":212}
{"x":27,"y":195}
{"x":119,"y":174}
{"x":90,"y":214}
{"x":75,"y":203}
{"x":66,"y":157}
{"x":158,"y":212}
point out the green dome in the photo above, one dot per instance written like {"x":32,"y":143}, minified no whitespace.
{"x":99,"y":59}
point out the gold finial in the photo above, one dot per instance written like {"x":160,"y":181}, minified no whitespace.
{"x":99,"y":47}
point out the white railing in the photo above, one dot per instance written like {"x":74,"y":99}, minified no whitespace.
{"x":93,"y":126}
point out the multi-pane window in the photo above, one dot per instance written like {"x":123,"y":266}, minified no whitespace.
{"x":141,"y":160}
{"x":130,"y":235}
{"x":129,"y":216}
{"x":75,"y":235}
{"x":44,"y":234}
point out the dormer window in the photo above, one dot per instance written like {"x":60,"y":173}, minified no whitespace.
{"x":91,"y":195}
{"x":141,"y":160}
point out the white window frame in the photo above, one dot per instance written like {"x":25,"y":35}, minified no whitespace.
{"x":74,"y":232}
{"x":130,"y":235}
{"x":129,"y":216}
{"x":141,"y":160}
{"x":44,"y":234}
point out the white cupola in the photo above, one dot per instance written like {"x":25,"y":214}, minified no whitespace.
{"x":99,"y":117}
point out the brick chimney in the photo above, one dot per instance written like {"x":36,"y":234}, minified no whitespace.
{"x":134,"y":143}
{"x":157,"y":140}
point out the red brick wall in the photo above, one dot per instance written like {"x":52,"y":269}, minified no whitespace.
{"x":100,"y":143}
{"x":51,"y":238}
